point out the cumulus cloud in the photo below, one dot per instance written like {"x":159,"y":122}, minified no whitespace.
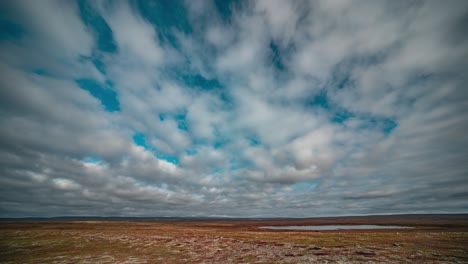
{"x":135,"y":37}
{"x":245,"y":108}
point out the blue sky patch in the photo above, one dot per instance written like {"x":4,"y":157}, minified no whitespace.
{"x":341,"y":116}
{"x":320,"y":100}
{"x":40,"y":72}
{"x":105,"y":38}
{"x":218,"y":145}
{"x":181,"y":120}
{"x":388,"y":125}
{"x":226,"y":7}
{"x":10,"y":30}
{"x":99,"y":65}
{"x":276,"y":56}
{"x":237,"y":164}
{"x":304,"y":186}
{"x":198,"y":81}
{"x":217,"y":171}
{"x":140,"y":140}
{"x":107,"y":96}
{"x":171,"y":159}
{"x":166,"y":15}
{"x":93,"y":160}
{"x":191,"y":152}
{"x":254,"y":141}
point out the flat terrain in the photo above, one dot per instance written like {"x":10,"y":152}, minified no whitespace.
{"x":435,"y":239}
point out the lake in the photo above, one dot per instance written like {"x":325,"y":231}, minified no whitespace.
{"x":334,"y":227}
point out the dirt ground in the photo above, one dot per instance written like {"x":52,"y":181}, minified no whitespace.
{"x":235,"y":241}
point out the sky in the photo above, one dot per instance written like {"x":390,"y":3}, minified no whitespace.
{"x":263,"y":108}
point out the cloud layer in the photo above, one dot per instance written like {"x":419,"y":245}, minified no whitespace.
{"x":234,"y":108}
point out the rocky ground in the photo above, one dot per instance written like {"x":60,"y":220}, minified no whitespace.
{"x":223,"y":242}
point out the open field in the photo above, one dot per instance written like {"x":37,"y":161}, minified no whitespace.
{"x":435,"y":239}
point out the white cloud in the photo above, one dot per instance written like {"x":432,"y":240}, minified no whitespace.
{"x":134,"y":35}
{"x":54,"y":26}
{"x":65,"y":184}
{"x":249,"y":142}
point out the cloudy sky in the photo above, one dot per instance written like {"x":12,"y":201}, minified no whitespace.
{"x":233,"y":108}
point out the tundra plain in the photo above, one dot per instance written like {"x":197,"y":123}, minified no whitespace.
{"x":434,"y":239}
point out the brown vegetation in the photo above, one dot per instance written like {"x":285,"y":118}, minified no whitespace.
{"x":432,"y":241}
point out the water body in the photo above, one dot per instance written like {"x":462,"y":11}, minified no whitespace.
{"x":334,"y":227}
